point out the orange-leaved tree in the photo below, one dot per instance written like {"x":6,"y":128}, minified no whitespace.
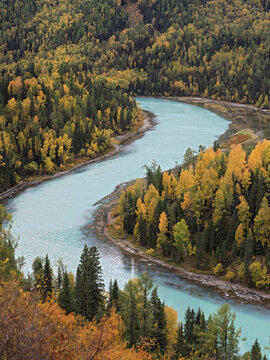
{"x":33,"y":330}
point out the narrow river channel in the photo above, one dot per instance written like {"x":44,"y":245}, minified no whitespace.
{"x":50,"y":217}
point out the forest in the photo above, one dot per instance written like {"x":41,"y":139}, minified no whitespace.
{"x":69,"y":75}
{"x":68,"y":70}
{"x":212,"y":215}
{"x":67,"y":316}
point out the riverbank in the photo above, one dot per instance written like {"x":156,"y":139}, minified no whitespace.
{"x":103,"y":219}
{"x":117,"y":142}
{"x":241,"y":117}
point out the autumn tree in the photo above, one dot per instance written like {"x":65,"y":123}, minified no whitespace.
{"x":51,"y":334}
{"x":182,"y":239}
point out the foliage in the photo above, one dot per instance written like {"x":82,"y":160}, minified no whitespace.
{"x":29,"y":329}
{"x":9,"y":265}
{"x":216,"y":209}
{"x":256,"y":353}
{"x":36,"y":327}
{"x":68,"y":71}
{"x":181,"y":238}
{"x":89,"y":285}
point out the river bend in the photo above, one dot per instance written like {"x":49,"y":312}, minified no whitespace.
{"x":50,"y":217}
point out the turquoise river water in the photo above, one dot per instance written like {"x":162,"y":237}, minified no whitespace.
{"x":50,"y":218}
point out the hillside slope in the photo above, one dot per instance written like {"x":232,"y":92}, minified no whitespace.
{"x":67,"y":69}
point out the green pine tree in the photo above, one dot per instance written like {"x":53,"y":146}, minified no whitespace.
{"x":47,"y":282}
{"x":114,"y":296}
{"x":180,"y":346}
{"x":189,"y":325}
{"x":65,"y":298}
{"x":249,"y":251}
{"x":159,"y":322}
{"x":256,"y":353}
{"x":37,"y":267}
{"x":261,"y":189}
{"x":146,"y":284}
{"x":199,"y":255}
{"x":222,"y":333}
{"x":89,"y":286}
{"x":131,"y":305}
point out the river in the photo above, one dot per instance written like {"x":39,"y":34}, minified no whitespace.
{"x":50,"y":218}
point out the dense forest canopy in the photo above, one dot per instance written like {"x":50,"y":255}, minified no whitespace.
{"x":68,"y":69}
{"x":214,"y":215}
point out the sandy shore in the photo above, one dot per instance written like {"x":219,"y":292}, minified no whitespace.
{"x":102,"y":218}
{"x":119,"y":141}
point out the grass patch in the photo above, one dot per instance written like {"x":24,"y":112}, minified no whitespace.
{"x":216,"y":107}
{"x":240,"y":137}
{"x":267,"y":134}
{"x":116,"y":232}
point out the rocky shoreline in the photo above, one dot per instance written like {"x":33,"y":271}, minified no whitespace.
{"x":228,"y":290}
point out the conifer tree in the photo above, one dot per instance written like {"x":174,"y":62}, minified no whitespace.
{"x":200,"y":320}
{"x":180,"y":346}
{"x":231,"y":231}
{"x":89,"y":284}
{"x":131,"y":300}
{"x":256,"y":353}
{"x":252,"y":198}
{"x":59,"y":280}
{"x":146,"y":284}
{"x":248,"y":258}
{"x":154,"y":176}
{"x":199,"y":254}
{"x":37,"y":267}
{"x":261,"y":188}
{"x":65,"y":298}
{"x":114,"y":296}
{"x":222,"y":331}
{"x":61,"y":269}
{"x":159,"y":321}
{"x":47,"y":282}
{"x":189,"y":324}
